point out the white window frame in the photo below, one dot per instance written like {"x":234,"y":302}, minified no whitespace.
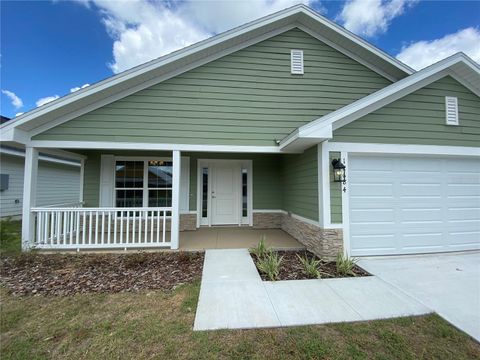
{"x":145,"y":187}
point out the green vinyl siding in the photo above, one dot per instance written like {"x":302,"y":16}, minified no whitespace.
{"x":300,"y":183}
{"x":335,"y":193}
{"x":91,"y":179}
{"x":419,"y":118}
{"x":245,"y":98}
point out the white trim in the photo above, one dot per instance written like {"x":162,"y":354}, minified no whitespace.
{"x":345,"y":207}
{"x":265,"y":211}
{"x":325,"y":164}
{"x":106,"y":145}
{"x":29,"y":197}
{"x":403,"y":149}
{"x":19,"y":153}
{"x":186,"y":212}
{"x":320,"y":185}
{"x":175,"y":221}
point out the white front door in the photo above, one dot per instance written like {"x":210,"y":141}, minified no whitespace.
{"x":225,"y":193}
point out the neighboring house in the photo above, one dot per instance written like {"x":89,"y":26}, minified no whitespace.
{"x":58,"y":181}
{"x":244,"y":128}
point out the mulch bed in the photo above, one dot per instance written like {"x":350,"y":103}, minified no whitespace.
{"x":292,"y":269}
{"x":69,"y":274}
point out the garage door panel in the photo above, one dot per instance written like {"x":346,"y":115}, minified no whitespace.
{"x":420,"y":190}
{"x":366,"y":215}
{"x":430,"y":204}
{"x":465,"y":190}
{"x":422,"y":240}
{"x":373,"y":190}
{"x":372,"y":244}
{"x":463,"y":214}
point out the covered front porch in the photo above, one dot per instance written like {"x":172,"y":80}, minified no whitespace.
{"x":139,"y":199}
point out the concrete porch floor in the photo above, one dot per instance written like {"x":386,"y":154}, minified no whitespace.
{"x":236,"y":238}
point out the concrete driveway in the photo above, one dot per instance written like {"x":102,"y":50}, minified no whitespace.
{"x":449,"y":284}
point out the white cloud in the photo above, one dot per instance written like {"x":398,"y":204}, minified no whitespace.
{"x":144,"y":30}
{"x":76,"y":88}
{"x":16,"y":101}
{"x":18,"y":114}
{"x":372,"y":17}
{"x":423,"y":53}
{"x":46,"y":100}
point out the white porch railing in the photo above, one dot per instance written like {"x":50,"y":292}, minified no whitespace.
{"x":90,"y":228}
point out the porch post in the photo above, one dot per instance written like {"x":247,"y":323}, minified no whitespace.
{"x":29,"y":197}
{"x":175,"y":223}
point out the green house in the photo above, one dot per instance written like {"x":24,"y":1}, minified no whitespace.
{"x":288,"y":122}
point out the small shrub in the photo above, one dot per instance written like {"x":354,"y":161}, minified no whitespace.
{"x":345,"y":264}
{"x":310,"y":266}
{"x":270,"y":265}
{"x":261,"y":250}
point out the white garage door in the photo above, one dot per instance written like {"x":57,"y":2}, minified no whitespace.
{"x":406,"y":204}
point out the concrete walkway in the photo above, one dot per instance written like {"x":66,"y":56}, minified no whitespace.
{"x":449,"y":284}
{"x":233,"y":296}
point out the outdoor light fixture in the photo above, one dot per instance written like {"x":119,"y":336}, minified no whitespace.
{"x":338,"y":171}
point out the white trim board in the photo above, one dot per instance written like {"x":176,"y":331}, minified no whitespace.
{"x":105,"y":145}
{"x":402,"y":149}
{"x":19,"y":153}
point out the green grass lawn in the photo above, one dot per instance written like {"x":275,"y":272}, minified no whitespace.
{"x":10,"y":235}
{"x":159,"y":324}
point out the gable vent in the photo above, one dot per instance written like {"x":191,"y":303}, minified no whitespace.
{"x":451,"y":110}
{"x":297,"y":61}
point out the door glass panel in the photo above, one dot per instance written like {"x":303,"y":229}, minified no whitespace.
{"x":244,"y":193}
{"x":204,"y":192}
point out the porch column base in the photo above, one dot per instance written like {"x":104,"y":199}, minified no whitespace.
{"x":325,"y":243}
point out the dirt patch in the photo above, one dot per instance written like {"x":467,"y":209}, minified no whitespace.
{"x":291,"y":267}
{"x":60,"y":274}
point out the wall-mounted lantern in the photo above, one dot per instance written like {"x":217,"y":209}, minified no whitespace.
{"x":338,"y":171}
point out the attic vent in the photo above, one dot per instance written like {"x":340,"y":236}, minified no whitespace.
{"x":451,"y":110}
{"x":297,"y":61}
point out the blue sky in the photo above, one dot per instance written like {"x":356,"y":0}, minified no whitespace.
{"x":51,"y":47}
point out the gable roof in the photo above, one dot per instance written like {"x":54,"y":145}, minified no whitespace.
{"x":128,"y":82}
{"x":459,"y":66}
